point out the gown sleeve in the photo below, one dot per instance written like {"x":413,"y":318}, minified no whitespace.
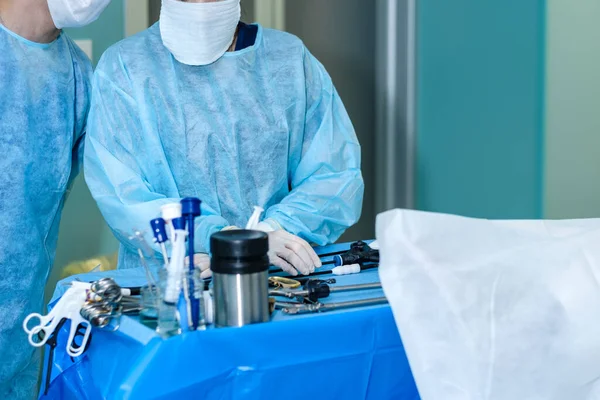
{"x":326,"y":186}
{"x":114,"y":165}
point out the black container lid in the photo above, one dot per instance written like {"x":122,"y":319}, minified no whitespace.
{"x":239,"y":252}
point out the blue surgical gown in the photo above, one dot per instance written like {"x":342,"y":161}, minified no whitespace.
{"x":261,"y":126}
{"x":45,"y":90}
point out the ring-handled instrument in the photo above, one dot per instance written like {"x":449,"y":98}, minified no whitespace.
{"x":52,"y":342}
{"x":288,"y":283}
{"x":283,"y":283}
{"x":294,"y":309}
{"x":106,"y":302}
{"x":68,"y":307}
{"x":75,"y":349}
{"x":316,"y":289}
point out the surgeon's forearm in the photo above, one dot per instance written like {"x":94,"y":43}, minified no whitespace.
{"x":323,"y":207}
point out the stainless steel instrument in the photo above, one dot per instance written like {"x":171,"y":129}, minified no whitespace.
{"x":320,"y":307}
{"x":321,"y":290}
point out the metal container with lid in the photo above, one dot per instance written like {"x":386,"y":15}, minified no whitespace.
{"x":240,"y":267}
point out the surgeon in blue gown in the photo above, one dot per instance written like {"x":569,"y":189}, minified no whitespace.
{"x":237,"y":115}
{"x":45,"y":92}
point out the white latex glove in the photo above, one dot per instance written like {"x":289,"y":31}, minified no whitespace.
{"x":202,"y":261}
{"x":291,"y":253}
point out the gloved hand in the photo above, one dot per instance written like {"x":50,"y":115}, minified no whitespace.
{"x":291,"y":253}
{"x":202,"y":261}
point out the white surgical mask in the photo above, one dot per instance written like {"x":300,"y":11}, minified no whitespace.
{"x":75,"y":13}
{"x":198,"y":33}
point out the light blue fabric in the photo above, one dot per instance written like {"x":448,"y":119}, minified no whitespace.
{"x":261,"y":126}
{"x":43,"y":106}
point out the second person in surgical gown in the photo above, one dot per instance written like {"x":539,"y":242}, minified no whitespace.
{"x":44,"y":103}
{"x":174,"y":114}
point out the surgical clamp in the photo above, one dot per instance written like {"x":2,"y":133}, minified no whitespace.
{"x":293,"y":309}
{"x":316,"y":289}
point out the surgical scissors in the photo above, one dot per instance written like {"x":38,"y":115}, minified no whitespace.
{"x":68,"y":307}
{"x":48,"y":323}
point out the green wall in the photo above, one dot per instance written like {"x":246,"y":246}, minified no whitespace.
{"x":107,"y":30}
{"x":480,"y":107}
{"x":572,"y":179}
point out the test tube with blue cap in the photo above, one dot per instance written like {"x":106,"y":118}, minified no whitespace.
{"x":179,"y":224}
{"x":190,"y":209}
